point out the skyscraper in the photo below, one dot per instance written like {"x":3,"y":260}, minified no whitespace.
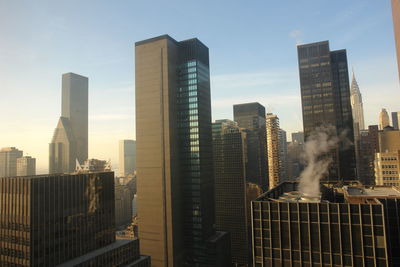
{"x":369,"y":145}
{"x":396,"y":23}
{"x":8,"y":161}
{"x":274,"y":164}
{"x":175,"y":181}
{"x":70,"y":139}
{"x":230,"y":160}
{"x":283,"y":155}
{"x":127,"y":157}
{"x":356,"y":105}
{"x":383,"y":119}
{"x":325,"y":93}
{"x":298,"y":138}
{"x":26,"y":166}
{"x":396,"y":119}
{"x":251,"y":116}
{"x":65,"y":219}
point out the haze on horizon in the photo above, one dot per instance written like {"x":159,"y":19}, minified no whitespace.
{"x":253,"y":58}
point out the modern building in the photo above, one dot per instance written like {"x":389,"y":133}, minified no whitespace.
{"x":93,"y":165}
{"x":346,"y":226}
{"x":8,"y":161}
{"x":274,"y":161}
{"x":356,"y":105}
{"x":396,"y":119}
{"x":26,"y":166}
{"x":127,"y":157}
{"x":70,"y":138}
{"x":396,"y":24}
{"x":369,"y":145}
{"x":230,"y":160}
{"x":62,"y":220}
{"x":175,"y":181}
{"x":383,"y":119}
{"x":325,"y":94}
{"x":251,"y":116}
{"x":298,"y":137}
{"x":295,"y":160}
{"x":283,"y":156}
{"x":123,"y":204}
{"x":387,"y":164}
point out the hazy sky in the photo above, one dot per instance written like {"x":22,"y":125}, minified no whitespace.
{"x":253,"y":57}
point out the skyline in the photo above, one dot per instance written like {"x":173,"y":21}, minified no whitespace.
{"x":269,"y":75}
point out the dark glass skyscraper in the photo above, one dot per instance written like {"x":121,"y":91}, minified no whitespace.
{"x":325,"y":94}
{"x":175,"y":185}
{"x":252,"y":117}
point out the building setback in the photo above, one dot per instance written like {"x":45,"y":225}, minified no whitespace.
{"x":251,"y":116}
{"x":325,"y":94}
{"x":70,"y":138}
{"x":350,"y":226}
{"x":127,"y":157}
{"x":230,"y":160}
{"x":383,"y":119}
{"x":26,"y":166}
{"x":8,"y":161}
{"x":175,"y":181}
{"x":68,"y":219}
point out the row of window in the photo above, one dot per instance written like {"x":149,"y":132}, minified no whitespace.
{"x":389,"y":172}
{"x":389,"y":166}
{"x":388,"y":158}
{"x":390,"y":178}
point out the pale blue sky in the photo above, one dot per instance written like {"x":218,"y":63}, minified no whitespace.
{"x":252,"y":55}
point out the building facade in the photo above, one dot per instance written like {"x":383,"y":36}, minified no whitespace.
{"x":325,"y":94}
{"x":369,"y":145}
{"x":251,"y":116}
{"x":298,"y":137}
{"x":283,"y":155}
{"x":387,"y":164}
{"x":70,"y":138}
{"x":396,"y":26}
{"x":273,"y":149}
{"x":395,"y":119}
{"x":175,"y":181}
{"x":124,"y":197}
{"x":230,"y":160}
{"x":26,"y":166}
{"x":348,"y":226}
{"x":357,"y":105}
{"x":383,"y":119}
{"x":127,"y":157}
{"x":49,"y":220}
{"x":8,"y":161}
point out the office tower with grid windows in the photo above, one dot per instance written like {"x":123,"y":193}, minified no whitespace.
{"x":26,"y":166}
{"x":127,"y":157}
{"x":8,"y":161}
{"x":325,"y":94}
{"x":175,"y":181}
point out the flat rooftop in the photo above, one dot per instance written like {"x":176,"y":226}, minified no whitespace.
{"x":376,"y":191}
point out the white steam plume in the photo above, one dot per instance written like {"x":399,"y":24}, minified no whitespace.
{"x":317,"y":157}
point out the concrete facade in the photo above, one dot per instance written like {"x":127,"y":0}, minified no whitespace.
{"x":26,"y":166}
{"x":8,"y":161}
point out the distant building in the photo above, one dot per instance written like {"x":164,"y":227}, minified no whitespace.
{"x":93,"y":165}
{"x":8,"y":161}
{"x":387,"y":159}
{"x":26,"y":166}
{"x":230,"y":161}
{"x":127,"y":157}
{"x":369,"y":145}
{"x":383,"y":119}
{"x":325,"y":94}
{"x":396,"y":119}
{"x":396,"y":24}
{"x":274,"y":165}
{"x":70,"y":223}
{"x":295,"y":159}
{"x":251,"y":116}
{"x":357,"y":105}
{"x":175,"y":173}
{"x":347,"y":226}
{"x":123,"y":203}
{"x":70,"y":139}
{"x":283,"y":156}
{"x":298,"y":137}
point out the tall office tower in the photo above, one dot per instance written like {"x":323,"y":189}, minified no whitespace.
{"x":8,"y":161}
{"x":26,"y":166}
{"x":274,"y":165}
{"x":283,"y":156}
{"x":295,"y":160}
{"x":383,"y":119}
{"x":70,"y":139}
{"x":396,"y":119}
{"x":325,"y":94}
{"x":347,"y":226}
{"x":251,"y":116}
{"x":387,"y":164}
{"x":369,"y":145}
{"x":230,"y":160}
{"x":396,"y":24}
{"x":175,"y":181}
{"x":62,"y":220}
{"x":298,"y":138}
{"x":127,"y":157}
{"x":357,"y":105}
